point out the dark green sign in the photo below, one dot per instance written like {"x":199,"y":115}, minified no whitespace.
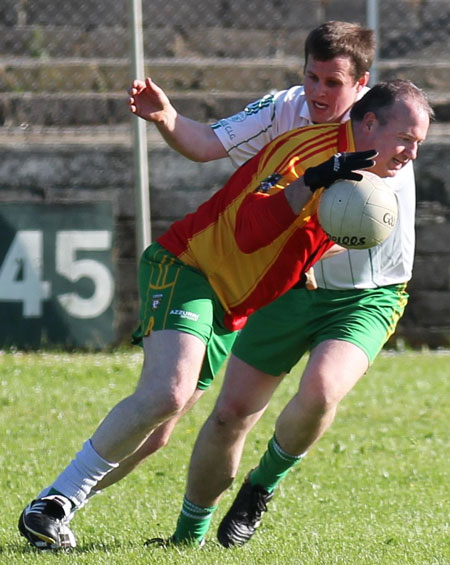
{"x":56,"y":275}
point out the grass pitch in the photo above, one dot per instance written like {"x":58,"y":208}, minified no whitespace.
{"x":374,"y":490}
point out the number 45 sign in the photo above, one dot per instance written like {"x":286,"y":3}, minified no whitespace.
{"x":56,"y":281}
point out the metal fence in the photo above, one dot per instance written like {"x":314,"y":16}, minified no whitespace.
{"x":66,"y":64}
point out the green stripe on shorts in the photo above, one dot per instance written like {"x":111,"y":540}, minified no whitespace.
{"x":175,"y":296}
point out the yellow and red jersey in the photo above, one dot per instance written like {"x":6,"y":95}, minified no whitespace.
{"x":247,"y":241}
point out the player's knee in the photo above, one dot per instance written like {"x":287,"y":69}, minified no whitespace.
{"x":171,"y":403}
{"x":158,"y":443}
{"x":158,"y":406}
{"x":319,"y":399}
{"x":229,"y":417}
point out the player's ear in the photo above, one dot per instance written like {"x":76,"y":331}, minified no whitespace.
{"x":369,"y":120}
{"x":362,"y":81}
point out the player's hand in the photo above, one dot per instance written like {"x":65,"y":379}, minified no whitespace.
{"x":340,"y":166}
{"x":148,"y":101}
{"x":310,"y":279}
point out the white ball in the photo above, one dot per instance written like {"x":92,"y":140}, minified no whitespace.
{"x":358,"y":214}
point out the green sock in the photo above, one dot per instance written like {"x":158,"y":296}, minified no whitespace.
{"x":193,"y":523}
{"x":273,"y":466}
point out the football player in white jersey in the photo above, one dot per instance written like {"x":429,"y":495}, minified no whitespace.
{"x":343,"y":324}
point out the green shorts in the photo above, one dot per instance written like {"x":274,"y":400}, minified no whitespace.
{"x":175,"y":296}
{"x":276,"y":337}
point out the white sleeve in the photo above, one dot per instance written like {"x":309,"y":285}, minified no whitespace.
{"x":245,"y":133}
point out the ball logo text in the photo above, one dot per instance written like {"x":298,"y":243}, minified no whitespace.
{"x":345,"y":240}
{"x":389,"y":219}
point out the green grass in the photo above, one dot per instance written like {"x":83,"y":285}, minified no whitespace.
{"x":374,"y":490}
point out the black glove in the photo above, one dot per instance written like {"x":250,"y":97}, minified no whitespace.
{"x":340,"y":166}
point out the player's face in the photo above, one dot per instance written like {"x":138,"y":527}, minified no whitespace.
{"x":397,"y":141}
{"x":330,"y":88}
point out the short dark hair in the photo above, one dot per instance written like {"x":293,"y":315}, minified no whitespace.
{"x":382,"y":96}
{"x":336,"y":39}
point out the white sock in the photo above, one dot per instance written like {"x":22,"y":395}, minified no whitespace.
{"x":81,"y":475}
{"x":91,"y":493}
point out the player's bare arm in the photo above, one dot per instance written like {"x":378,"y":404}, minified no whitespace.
{"x":194,"y":140}
{"x":335,"y":250}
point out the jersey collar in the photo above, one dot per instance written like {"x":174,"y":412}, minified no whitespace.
{"x":346,"y":141}
{"x":304,"y":112}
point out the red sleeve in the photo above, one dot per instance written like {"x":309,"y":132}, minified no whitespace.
{"x":261,"y":218}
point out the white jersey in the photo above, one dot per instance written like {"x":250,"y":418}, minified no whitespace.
{"x":245,"y":133}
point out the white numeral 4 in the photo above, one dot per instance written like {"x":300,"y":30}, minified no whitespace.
{"x":21,"y":274}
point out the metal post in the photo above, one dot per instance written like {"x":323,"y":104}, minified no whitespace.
{"x":372,"y":12}
{"x":140,"y":153}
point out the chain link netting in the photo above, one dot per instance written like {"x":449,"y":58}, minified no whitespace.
{"x":66,"y":64}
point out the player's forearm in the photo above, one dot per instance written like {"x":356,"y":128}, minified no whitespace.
{"x":335,"y":250}
{"x":194,"y":140}
{"x":340,"y":166}
{"x":297,"y":194}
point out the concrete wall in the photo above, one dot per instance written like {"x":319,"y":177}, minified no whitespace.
{"x":65,"y":131}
